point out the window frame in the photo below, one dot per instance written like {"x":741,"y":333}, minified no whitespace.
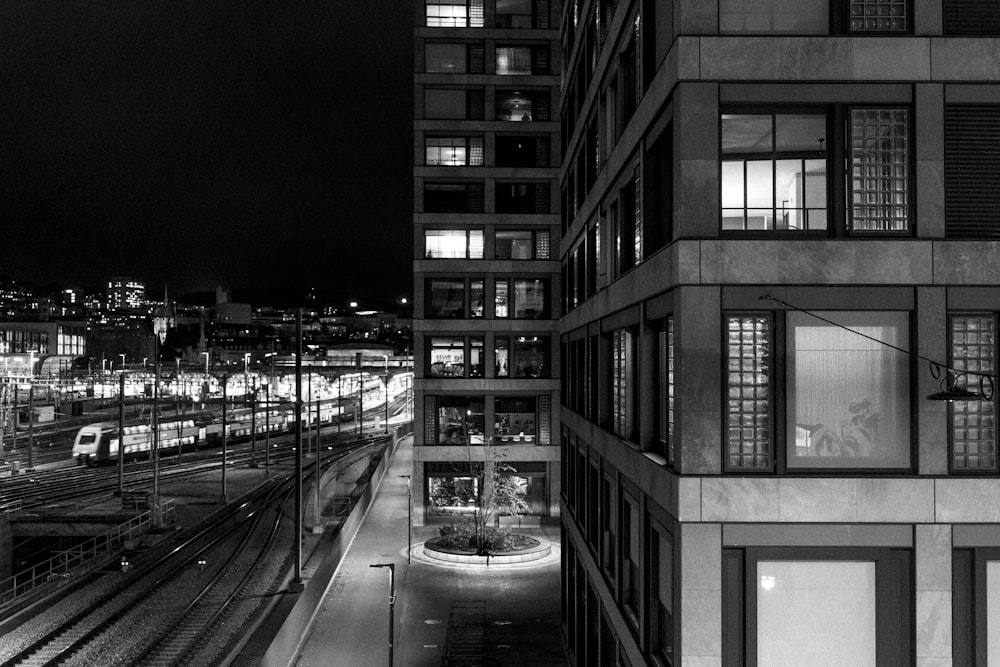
{"x":952,"y":468}
{"x":468,"y":307}
{"x":468,"y":241}
{"x":512,"y":304}
{"x":894,"y":572}
{"x":779,"y":398}
{"x":969,"y":604}
{"x":468,"y":346}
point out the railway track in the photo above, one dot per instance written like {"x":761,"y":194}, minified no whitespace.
{"x":178,"y":601}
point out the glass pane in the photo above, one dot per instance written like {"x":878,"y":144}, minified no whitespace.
{"x":530,"y":356}
{"x":500,"y":298}
{"x":800,"y":132}
{"x":760,"y":184}
{"x":515,"y":419}
{"x":476,"y":348}
{"x":513,"y":244}
{"x":501,"y":349}
{"x":513,"y":60}
{"x":447,"y":357}
{"x":529,"y":299}
{"x":444,"y":243}
{"x":788,"y":184}
{"x":444,"y":103}
{"x":732,"y":184}
{"x":445,"y":58}
{"x":849,"y":395}
{"x":477,"y":298}
{"x":746,"y":134}
{"x":816,"y":613}
{"x":447,"y":298}
{"x":476,"y":244}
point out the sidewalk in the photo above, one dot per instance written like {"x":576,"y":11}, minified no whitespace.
{"x":505,"y":615}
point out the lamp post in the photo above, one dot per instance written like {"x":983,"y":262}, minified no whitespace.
{"x":297,"y":579}
{"x":409,"y":520}
{"x":224,"y":498}
{"x":122,"y":355}
{"x":392,"y":601}
{"x":206,"y":355}
{"x":157,"y":515}
{"x":385,"y":357}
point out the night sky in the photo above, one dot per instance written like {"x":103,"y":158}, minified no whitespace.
{"x":254,"y":144}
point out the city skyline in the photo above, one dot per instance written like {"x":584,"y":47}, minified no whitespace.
{"x":229,"y":153}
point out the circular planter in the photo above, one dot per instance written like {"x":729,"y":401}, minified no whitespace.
{"x":536,"y":550}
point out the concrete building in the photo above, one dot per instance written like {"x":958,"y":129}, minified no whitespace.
{"x":777,"y":215}
{"x":486,"y":271}
{"x":125,"y":294}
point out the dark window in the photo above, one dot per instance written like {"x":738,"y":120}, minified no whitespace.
{"x":625,"y":383}
{"x":522,"y":244}
{"x":453,"y":103}
{"x":665,"y":388}
{"x":522,"y":151}
{"x":971,"y":17}
{"x":446,"y":298}
{"x":972,"y":170}
{"x":516,"y":13}
{"x":453,"y":197}
{"x":631,"y":533}
{"x":526,"y":198}
{"x":661,"y":594}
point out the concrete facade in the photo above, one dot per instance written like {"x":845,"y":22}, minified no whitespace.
{"x":494,"y":57}
{"x":718,"y":519}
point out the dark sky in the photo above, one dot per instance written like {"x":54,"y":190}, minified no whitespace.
{"x":194,"y":143}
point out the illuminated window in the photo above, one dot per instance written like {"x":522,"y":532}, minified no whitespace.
{"x":453,"y":244}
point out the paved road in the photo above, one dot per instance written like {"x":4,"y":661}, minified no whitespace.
{"x":489,"y":616}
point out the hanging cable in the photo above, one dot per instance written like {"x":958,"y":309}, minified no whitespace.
{"x":951,"y":374}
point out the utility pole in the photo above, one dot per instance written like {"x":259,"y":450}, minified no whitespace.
{"x":297,"y":579}
{"x":121,"y":435}
{"x":253,"y":428}
{"x":31,"y":425}
{"x":225,"y":442}
{"x":157,"y":516}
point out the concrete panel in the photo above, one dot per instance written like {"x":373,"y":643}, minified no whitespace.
{"x":966,"y":262}
{"x":740,"y":499}
{"x":701,"y":623}
{"x":933,"y":558}
{"x":700,"y":443}
{"x":815,"y":58}
{"x":932,"y":427}
{"x":930,"y":199}
{"x":933,"y":624}
{"x":818,"y":499}
{"x":975,"y":536}
{"x":698,"y":199}
{"x":965,"y":59}
{"x":825,"y":535}
{"x":696,"y":17}
{"x":967,"y":500}
{"x":701,"y":556}
{"x":902,"y":500}
{"x":817,"y":262}
{"x":689,"y":499}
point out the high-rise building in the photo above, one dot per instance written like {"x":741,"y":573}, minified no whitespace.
{"x":780,"y":243}
{"x":486,"y":271}
{"x":125,"y":294}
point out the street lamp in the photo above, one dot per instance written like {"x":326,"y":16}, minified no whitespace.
{"x":385,"y":357}
{"x":205,"y":354}
{"x":122,"y":355}
{"x":409,"y":520}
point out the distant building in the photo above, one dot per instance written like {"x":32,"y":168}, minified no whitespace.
{"x":486,"y":270}
{"x":125,"y":294}
{"x":41,"y":347}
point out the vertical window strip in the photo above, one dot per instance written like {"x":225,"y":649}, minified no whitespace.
{"x":475,"y":151}
{"x":637,"y":217}
{"x":748,"y":383}
{"x":618,"y":386}
{"x":475,"y":244}
{"x":973,"y":425}
{"x":879,"y":170}
{"x":476,"y":17}
{"x":542,"y":245}
{"x":671,"y":451}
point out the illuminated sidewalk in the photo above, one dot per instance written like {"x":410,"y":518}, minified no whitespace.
{"x":508,"y":615}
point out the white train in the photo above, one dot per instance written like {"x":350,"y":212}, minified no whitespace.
{"x":99,"y":442}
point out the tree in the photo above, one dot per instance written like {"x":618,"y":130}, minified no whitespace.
{"x":496,"y":492}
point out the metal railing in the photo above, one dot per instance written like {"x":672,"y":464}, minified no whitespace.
{"x":63,"y":565}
